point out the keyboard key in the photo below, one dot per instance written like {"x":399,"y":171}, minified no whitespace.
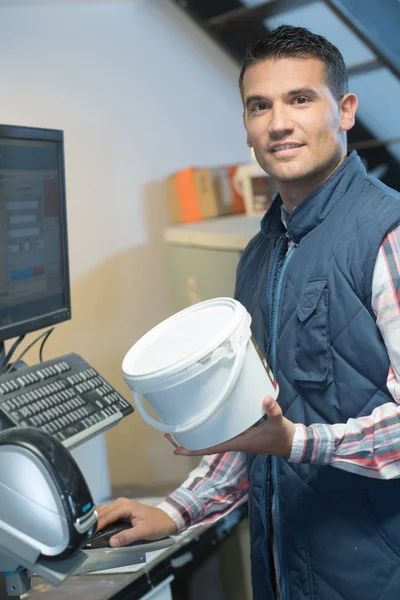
{"x":65,"y":397}
{"x":73,"y":429}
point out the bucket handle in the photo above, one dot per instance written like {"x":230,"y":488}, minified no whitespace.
{"x":216,"y":405}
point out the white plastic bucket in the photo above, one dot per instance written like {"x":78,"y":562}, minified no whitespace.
{"x":200,"y":373}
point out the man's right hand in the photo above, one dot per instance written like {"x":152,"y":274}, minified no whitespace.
{"x":148,"y":522}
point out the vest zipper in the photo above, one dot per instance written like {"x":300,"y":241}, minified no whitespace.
{"x":265,"y":473}
{"x":274,"y":290}
{"x":272,"y":284}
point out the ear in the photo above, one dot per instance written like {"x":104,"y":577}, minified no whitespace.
{"x":348,"y":108}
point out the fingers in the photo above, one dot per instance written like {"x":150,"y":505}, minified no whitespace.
{"x":203,"y":452}
{"x":127,"y":537}
{"x":241,"y":442}
{"x":272,"y":408}
{"x":153,"y":524}
{"x":171,"y":439}
{"x":120,"y":509}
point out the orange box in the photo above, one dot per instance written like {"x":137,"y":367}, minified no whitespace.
{"x":194,"y":194}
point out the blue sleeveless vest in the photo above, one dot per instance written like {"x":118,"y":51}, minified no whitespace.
{"x":338,"y":534}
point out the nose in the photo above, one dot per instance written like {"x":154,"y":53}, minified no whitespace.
{"x":280,"y":124}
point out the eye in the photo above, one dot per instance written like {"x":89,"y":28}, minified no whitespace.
{"x":301,"y":100}
{"x":259,"y":107}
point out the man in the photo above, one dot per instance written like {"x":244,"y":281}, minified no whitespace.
{"x":322,"y":282}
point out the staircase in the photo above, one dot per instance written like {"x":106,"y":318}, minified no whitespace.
{"x":368,"y":29}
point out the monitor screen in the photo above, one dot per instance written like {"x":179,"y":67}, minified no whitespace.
{"x":34,"y":275}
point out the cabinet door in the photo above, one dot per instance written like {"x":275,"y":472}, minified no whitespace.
{"x":198,"y":274}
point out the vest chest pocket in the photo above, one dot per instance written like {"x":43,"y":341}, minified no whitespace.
{"x":312,"y":357}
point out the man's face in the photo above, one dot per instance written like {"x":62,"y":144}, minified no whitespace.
{"x":292,"y":120}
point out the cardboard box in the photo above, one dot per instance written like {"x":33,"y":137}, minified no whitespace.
{"x":263,"y":191}
{"x":228,"y":199}
{"x":195,"y":194}
{"x":256,"y":187}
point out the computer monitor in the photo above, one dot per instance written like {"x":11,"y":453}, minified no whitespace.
{"x":34,"y":274}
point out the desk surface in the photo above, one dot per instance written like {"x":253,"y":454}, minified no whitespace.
{"x":192,"y":544}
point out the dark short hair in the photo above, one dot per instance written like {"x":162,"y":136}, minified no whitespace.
{"x":288,"y":41}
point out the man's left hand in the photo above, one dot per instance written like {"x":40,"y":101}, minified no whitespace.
{"x":273,"y":436}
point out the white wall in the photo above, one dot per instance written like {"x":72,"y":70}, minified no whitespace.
{"x":140,"y":92}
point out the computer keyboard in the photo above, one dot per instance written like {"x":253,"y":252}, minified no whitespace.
{"x":65,"y":397}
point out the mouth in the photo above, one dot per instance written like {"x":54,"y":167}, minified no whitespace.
{"x":281,"y":149}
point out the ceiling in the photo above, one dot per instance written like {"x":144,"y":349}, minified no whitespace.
{"x":366,"y":33}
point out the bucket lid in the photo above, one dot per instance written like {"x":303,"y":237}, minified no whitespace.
{"x":185,"y":338}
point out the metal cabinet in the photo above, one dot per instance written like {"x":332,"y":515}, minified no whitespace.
{"x":203,"y":257}
{"x":202,"y":262}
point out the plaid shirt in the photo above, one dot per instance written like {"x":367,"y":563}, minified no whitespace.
{"x":369,"y":446}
